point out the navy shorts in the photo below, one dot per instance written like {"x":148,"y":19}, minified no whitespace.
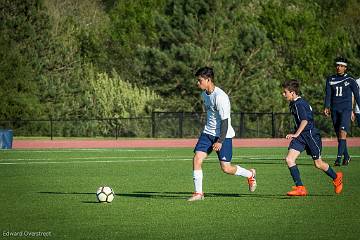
{"x":206,"y":141}
{"x":341,"y":119}
{"x":309,"y":141}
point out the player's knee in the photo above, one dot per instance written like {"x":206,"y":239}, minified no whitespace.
{"x":320,"y":164}
{"x":342,"y":134}
{"x":290,"y":161}
{"x":226,"y":168}
{"x":197,"y":162}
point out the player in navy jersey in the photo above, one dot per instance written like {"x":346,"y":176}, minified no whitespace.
{"x":356,"y":115}
{"x":338,"y":103}
{"x":217,"y":134}
{"x":305,"y":137}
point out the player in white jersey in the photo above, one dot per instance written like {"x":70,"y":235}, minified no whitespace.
{"x":217,"y":134}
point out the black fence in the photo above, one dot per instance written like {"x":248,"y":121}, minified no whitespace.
{"x":165,"y":125}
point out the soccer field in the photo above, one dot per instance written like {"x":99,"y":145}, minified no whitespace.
{"x":50,"y":194}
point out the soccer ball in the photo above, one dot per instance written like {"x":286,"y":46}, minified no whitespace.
{"x":105,"y":194}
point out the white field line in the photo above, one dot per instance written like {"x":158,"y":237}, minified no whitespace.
{"x":96,"y":161}
{"x":85,"y":150}
{"x":274,"y":157}
{"x":122,"y":160}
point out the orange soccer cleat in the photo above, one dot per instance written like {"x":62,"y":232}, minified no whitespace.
{"x":196,"y":197}
{"x":338,"y":182}
{"x":298,"y":191}
{"x":252,"y":181}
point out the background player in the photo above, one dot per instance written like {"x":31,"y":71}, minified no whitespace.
{"x":217,"y":134}
{"x":357,"y":107}
{"x":306,"y":137}
{"x":338,"y":102}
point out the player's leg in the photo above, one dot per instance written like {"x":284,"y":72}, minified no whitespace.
{"x":342,"y":149}
{"x":225,"y":157}
{"x":344,"y":129}
{"x":313,"y":148}
{"x":202,"y":149}
{"x":295,"y":148}
{"x":336,"y":177}
{"x":198,"y":175}
{"x":336,"y":119}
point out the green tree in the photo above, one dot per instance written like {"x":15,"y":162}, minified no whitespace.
{"x":305,"y":50}
{"x":221,"y":34}
{"x":78,"y":35}
{"x":24,"y":35}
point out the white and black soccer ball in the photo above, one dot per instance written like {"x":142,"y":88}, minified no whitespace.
{"x":105,"y":194}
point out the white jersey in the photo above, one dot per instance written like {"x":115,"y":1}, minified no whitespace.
{"x":217,"y":108}
{"x":357,"y":109}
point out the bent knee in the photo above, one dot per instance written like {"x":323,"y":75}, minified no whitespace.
{"x":227,"y":168}
{"x":320,"y":164}
{"x":290,"y":161}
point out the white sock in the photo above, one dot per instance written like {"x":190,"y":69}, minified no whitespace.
{"x":242,"y":172}
{"x":198,"y":177}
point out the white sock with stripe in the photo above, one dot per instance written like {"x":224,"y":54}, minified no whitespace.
{"x":198,"y":177}
{"x":242,"y":172}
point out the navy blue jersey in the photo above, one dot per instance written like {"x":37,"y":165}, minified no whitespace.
{"x":301,"y":110}
{"x":339,"y":90}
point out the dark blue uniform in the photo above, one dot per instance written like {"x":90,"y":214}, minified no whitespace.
{"x":339,"y":90}
{"x":309,"y":139}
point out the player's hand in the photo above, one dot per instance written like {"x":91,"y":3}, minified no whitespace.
{"x":217,"y":146}
{"x":327,"y":112}
{"x":353,"y":116}
{"x":291,"y":136}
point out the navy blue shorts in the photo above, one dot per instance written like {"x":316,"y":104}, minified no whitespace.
{"x":206,"y":141}
{"x":341,"y":119}
{"x":309,"y":141}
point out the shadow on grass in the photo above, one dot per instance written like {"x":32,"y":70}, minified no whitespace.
{"x":299,"y":162}
{"x":185,"y":195}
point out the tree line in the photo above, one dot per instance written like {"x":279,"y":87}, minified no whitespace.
{"x":119,"y":58}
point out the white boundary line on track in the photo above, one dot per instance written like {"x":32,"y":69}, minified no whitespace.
{"x":85,"y":150}
{"x":96,"y":161}
{"x":273,"y":157}
{"x":142,"y":160}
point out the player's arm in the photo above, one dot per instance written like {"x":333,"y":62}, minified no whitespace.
{"x":223,"y":130}
{"x":356,"y":92}
{"x":352,"y":107}
{"x":327,"y":98}
{"x":301,"y":128}
{"x":303,"y":117}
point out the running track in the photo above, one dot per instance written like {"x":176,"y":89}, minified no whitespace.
{"x":162,"y":143}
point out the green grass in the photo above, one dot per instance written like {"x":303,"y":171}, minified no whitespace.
{"x":54,"y":191}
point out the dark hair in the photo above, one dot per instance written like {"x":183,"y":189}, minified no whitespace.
{"x":205,"y":72}
{"x":292,"y":85}
{"x":341,"y":59}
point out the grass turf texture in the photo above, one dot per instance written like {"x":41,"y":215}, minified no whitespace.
{"x":54,"y":191}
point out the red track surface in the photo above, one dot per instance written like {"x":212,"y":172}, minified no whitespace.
{"x":157,"y":143}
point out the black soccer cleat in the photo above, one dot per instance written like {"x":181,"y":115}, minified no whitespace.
{"x":337,"y":163}
{"x":346,"y":162}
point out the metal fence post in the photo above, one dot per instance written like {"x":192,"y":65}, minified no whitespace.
{"x":51,"y":128}
{"x":273,"y":125}
{"x":181,"y":120}
{"x":116,"y":128}
{"x":153,"y":126}
{"x":242,"y":125}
